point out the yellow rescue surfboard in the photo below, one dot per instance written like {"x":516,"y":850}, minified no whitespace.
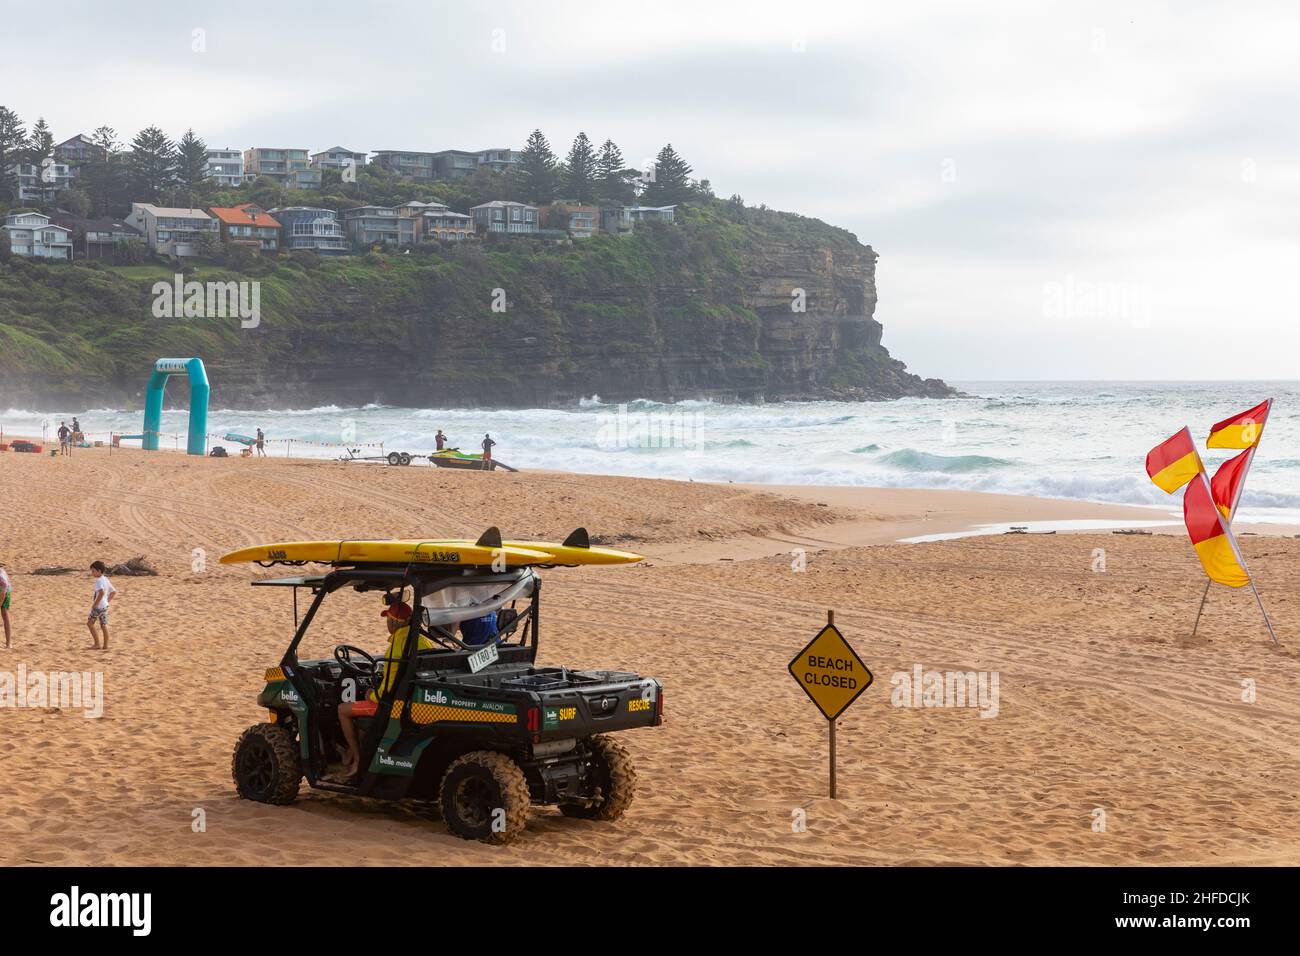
{"x":576,"y":550}
{"x":465,"y":553}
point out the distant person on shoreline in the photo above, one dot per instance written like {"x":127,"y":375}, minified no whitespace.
{"x":487,"y":451}
{"x":99,"y":602}
{"x":441,"y":439}
{"x":76,"y":430}
{"x":6,"y":591}
{"x":65,"y":439}
{"x":261,"y":444}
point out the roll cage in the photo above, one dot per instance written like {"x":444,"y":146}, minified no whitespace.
{"x":516,"y":584}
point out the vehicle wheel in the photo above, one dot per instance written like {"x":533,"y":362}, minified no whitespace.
{"x":394,"y":458}
{"x":405,"y":458}
{"x":265,"y":765}
{"x":484,"y":796}
{"x":615,"y":777}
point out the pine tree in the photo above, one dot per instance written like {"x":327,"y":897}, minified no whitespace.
{"x":191,"y":163}
{"x":104,"y":175}
{"x":76,"y":200}
{"x":13,"y":148}
{"x":580,"y":170}
{"x":671,"y":183}
{"x":537,"y":168}
{"x":40,"y":143}
{"x":151,"y":165}
{"x":40,"y":153}
{"x":613,"y":178}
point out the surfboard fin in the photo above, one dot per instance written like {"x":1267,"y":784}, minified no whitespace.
{"x":491,"y":538}
{"x":578,"y":539}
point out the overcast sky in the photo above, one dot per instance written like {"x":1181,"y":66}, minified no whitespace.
{"x":1093,"y":190}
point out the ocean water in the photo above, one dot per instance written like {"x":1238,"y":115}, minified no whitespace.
{"x":1080,"y":440}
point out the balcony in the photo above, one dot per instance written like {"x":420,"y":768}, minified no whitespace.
{"x":318,"y":229}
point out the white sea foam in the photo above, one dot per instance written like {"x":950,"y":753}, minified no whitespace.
{"x":1075,"y":440}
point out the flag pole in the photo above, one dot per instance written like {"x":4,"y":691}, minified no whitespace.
{"x":1201,"y":608}
{"x":1226,"y":527}
{"x":1249,"y":577}
{"x":1262,"y":611}
{"x":1241,"y":490}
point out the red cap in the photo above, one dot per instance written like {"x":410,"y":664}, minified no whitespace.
{"x":400,"y":610}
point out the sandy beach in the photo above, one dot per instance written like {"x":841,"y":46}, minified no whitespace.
{"x":1184,"y":749}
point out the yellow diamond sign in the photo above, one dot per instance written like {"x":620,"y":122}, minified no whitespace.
{"x":830,"y":672}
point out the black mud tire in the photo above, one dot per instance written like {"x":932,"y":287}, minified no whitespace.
{"x":394,"y":458}
{"x":615,"y":776}
{"x":475,"y":787}
{"x":405,"y":458}
{"x":265,"y":765}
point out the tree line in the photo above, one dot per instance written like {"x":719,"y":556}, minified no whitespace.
{"x":154,"y":168}
{"x":588,"y":174}
{"x":151,"y":168}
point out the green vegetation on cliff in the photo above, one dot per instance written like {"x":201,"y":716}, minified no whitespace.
{"x":700,"y":307}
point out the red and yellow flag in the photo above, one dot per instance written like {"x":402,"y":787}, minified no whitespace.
{"x":1227,"y":482}
{"x":1211,"y":537}
{"x":1174,"y":462}
{"x":1240,"y":431}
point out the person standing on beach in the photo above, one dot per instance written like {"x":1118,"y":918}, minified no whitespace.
{"x":6,"y":590}
{"x":65,"y":439}
{"x":487,"y":452}
{"x":76,"y":430}
{"x":103,"y":596}
{"x":261,"y":444}
{"x":440,"y":439}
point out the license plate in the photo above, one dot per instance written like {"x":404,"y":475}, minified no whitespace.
{"x":481,"y":659}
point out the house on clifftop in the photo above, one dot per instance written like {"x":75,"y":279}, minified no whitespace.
{"x":34,"y":236}
{"x":172,"y":231}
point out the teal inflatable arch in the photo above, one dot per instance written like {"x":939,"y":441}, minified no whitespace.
{"x":163,"y":369}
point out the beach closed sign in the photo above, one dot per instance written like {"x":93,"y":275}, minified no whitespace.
{"x":830,"y":672}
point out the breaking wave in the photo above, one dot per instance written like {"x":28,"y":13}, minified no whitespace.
{"x":909,"y":459}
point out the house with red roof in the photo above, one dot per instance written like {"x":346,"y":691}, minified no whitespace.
{"x":248,"y":225}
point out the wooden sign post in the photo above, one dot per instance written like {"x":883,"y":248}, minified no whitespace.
{"x":833,"y":676}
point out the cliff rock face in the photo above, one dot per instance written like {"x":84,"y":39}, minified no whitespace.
{"x":689,"y":311}
{"x":666,"y":339}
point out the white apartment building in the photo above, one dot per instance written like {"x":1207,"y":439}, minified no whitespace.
{"x":33,"y":235}
{"x":38,"y":184}
{"x":226,"y":167}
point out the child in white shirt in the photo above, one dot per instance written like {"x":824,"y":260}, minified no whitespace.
{"x":104,"y":592}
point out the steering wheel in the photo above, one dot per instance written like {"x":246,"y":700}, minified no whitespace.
{"x":343,"y":655}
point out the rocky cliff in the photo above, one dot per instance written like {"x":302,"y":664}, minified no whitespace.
{"x":772,"y":307}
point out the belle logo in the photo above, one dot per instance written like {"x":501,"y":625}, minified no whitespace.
{"x":435,"y":697}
